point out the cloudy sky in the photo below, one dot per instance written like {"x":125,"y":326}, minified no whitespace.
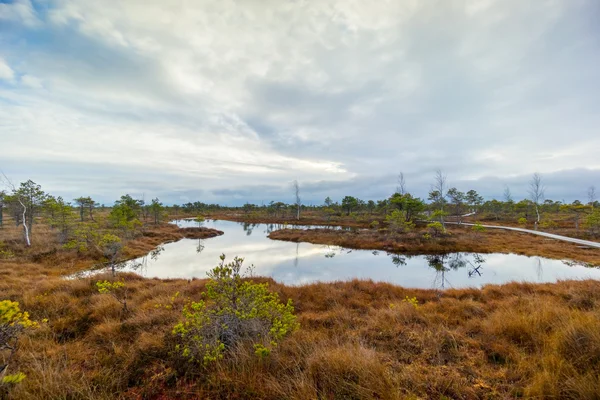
{"x":229,"y":101}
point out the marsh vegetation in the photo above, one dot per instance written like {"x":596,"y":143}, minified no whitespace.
{"x":250,"y":333}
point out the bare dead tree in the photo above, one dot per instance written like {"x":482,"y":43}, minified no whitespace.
{"x":401,"y":188}
{"x":592,"y":196}
{"x":439,"y":186}
{"x":536,"y":194}
{"x":298,"y":203}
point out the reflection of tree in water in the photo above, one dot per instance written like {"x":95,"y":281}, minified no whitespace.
{"x":156,"y":252}
{"x":269,"y":228}
{"x":200,"y":246}
{"x":273,"y":227}
{"x":443,"y":263}
{"x":248,"y":227}
{"x":296,"y":258}
{"x":573,"y":263}
{"x":476,"y":265}
{"x":399,"y":260}
{"x":539,"y":269}
{"x":140,"y":265}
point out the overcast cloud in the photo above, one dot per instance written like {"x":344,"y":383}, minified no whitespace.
{"x":229,"y":101}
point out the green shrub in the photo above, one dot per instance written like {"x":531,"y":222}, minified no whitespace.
{"x":397,"y":222}
{"x":436,"y":228}
{"x":522,"y":221}
{"x":548,"y":223}
{"x":592,"y":222}
{"x":12,"y":323}
{"x":116,"y":289}
{"x":233,"y":313}
{"x":478,"y":228}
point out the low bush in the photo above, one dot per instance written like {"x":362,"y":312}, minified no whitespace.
{"x":12,"y":323}
{"x":233,"y":313}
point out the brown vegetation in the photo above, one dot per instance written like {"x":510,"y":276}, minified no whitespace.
{"x":357,"y":339}
{"x":165,"y":233}
{"x":461,"y":239}
{"x":307,"y":218}
{"x":45,"y":247}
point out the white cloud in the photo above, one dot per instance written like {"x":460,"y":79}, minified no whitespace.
{"x":227,"y":94}
{"x":6,"y":72}
{"x":31,"y":81}
{"x":20,"y":11}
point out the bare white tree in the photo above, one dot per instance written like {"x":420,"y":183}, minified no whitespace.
{"x":401,"y":188}
{"x":296,"y":187}
{"x":592,"y":196}
{"x":439,"y":186}
{"x":536,"y":194}
{"x":21,"y":201}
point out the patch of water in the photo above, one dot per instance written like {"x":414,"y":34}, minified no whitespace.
{"x":301,"y":263}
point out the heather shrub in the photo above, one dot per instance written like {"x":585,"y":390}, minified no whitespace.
{"x":232,"y":313}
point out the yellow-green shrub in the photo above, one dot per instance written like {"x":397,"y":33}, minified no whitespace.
{"x":13,"y":322}
{"x":234,"y":312}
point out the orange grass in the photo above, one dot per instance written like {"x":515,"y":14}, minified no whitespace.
{"x":358,"y":339}
{"x":461,"y":239}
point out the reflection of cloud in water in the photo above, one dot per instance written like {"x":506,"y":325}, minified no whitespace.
{"x":297,"y":263}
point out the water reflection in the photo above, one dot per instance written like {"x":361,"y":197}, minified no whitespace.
{"x":248,"y":227}
{"x":200,"y":246}
{"x":140,"y":265}
{"x":299,"y":263}
{"x":398,"y":259}
{"x":444,"y":263}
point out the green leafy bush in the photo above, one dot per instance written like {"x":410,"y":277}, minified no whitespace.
{"x":548,"y":223}
{"x":436,"y":228}
{"x":233,"y":313}
{"x":124,"y":215}
{"x":592,"y":222}
{"x":478,"y":229}
{"x":397,"y":222}
{"x":199,"y":220}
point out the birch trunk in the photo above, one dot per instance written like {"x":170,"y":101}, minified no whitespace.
{"x":25,"y":227}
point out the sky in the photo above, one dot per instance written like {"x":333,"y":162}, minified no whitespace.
{"x":230,"y":101}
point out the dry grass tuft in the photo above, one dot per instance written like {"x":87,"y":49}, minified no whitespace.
{"x":351,"y":372}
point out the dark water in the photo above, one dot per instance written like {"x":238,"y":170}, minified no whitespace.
{"x":300,"y":263}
